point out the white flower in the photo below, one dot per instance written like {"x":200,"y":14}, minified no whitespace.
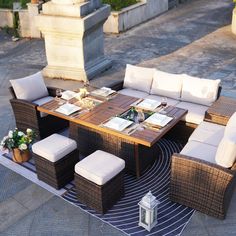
{"x":23,"y":146}
{"x":10,"y":134}
{"x":28,"y":131}
{"x":20,"y":133}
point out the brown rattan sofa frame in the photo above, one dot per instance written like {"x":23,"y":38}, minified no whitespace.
{"x":27,"y":116}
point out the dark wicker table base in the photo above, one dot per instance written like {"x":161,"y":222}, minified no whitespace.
{"x":57,"y":174}
{"x":100,"y":198}
{"x":90,"y":140}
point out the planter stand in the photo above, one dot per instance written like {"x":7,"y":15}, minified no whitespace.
{"x":73,"y":32}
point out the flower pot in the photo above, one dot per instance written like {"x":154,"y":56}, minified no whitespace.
{"x":20,"y":156}
{"x":34,"y":1}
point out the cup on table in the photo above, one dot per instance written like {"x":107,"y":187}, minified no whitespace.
{"x":163,"y":104}
{"x":58,"y":96}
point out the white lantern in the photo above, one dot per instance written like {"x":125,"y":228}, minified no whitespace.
{"x":148,"y":211}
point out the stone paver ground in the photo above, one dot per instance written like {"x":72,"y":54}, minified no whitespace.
{"x":194,"y":38}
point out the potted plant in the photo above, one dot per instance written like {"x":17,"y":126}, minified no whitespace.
{"x":19,"y":143}
{"x":233,"y":26}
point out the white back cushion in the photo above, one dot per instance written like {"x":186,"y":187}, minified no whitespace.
{"x":226,"y":151}
{"x":166,"y":84}
{"x":231,"y":125}
{"x":139,"y":78}
{"x":202,"y":91}
{"x":30,"y":88}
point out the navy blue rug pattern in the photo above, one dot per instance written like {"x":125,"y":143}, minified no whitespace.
{"x":172,"y":217}
{"x":124,"y":215}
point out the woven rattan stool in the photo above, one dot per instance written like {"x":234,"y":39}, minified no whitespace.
{"x":55,"y":158}
{"x":99,"y":180}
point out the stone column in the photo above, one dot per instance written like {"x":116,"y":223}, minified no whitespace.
{"x":73,"y":32}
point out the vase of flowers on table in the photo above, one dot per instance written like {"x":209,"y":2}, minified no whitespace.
{"x":19,"y":143}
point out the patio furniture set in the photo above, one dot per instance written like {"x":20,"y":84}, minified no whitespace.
{"x":202,"y":174}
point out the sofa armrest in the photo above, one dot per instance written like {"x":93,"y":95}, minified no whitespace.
{"x":117,"y":86}
{"x":201,"y":185}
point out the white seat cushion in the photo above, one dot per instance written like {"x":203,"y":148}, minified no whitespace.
{"x":202,"y":91}
{"x":195,"y":113}
{"x":139,"y":78}
{"x":231,"y":124}
{"x":226,"y":152}
{"x":100,"y":167}
{"x":199,"y":150}
{"x":42,"y":101}
{"x":166,"y":84}
{"x":208,"y":133}
{"x":30,"y":88}
{"x":133,"y":93}
{"x":54,"y":147}
{"x":170,"y":101}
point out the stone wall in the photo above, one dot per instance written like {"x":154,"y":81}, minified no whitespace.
{"x":6,"y":18}
{"x":133,"y":15}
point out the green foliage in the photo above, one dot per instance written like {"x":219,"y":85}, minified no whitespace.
{"x":9,"y":3}
{"x":117,"y":5}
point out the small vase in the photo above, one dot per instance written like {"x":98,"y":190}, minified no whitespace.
{"x":20,"y":156}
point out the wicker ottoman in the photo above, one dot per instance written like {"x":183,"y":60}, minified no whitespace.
{"x":99,"y":180}
{"x":55,"y":158}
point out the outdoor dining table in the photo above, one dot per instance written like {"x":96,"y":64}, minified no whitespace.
{"x":138,"y":147}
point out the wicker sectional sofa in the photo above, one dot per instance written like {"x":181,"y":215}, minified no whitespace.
{"x":203,"y":175}
{"x":181,"y":90}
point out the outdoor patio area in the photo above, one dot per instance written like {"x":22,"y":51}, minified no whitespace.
{"x":137,"y":124}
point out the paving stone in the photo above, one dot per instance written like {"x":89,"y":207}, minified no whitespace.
{"x":32,"y":197}
{"x":10,"y":212}
{"x":10,"y":184}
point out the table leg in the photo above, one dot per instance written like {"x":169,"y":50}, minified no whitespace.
{"x":137,"y":164}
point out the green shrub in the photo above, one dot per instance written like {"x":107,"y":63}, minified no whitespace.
{"x":117,"y":5}
{"x":9,"y":3}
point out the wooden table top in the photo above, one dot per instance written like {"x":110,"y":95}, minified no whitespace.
{"x":113,"y":107}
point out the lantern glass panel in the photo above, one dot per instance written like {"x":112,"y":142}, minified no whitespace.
{"x":143,"y":216}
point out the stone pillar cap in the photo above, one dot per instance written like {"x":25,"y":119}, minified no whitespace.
{"x":66,"y":2}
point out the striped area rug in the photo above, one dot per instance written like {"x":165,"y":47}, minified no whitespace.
{"x":172,"y":217}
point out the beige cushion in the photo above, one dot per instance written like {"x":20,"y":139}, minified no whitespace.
{"x":166,"y":84}
{"x":42,"y":101}
{"x":231,"y":125}
{"x":195,"y":113}
{"x":139,"y":78}
{"x":208,"y":133}
{"x":201,"y":151}
{"x":100,"y":167}
{"x":54,"y":147}
{"x":133,"y":93}
{"x":30,"y":88}
{"x":226,"y":152}
{"x":170,"y":101}
{"x":201,"y":91}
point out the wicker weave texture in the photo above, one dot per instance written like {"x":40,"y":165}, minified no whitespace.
{"x":59,"y":173}
{"x":201,"y":185}
{"x":100,"y":198}
{"x":27,"y":116}
{"x":90,"y":140}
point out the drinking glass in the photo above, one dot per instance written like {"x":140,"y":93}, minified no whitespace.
{"x":58,"y":96}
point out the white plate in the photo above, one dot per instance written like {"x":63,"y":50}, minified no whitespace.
{"x":158,"y":119}
{"x":67,"y":95}
{"x":118,"y":123}
{"x":104,"y":92}
{"x":148,"y":104}
{"x":68,"y":109}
